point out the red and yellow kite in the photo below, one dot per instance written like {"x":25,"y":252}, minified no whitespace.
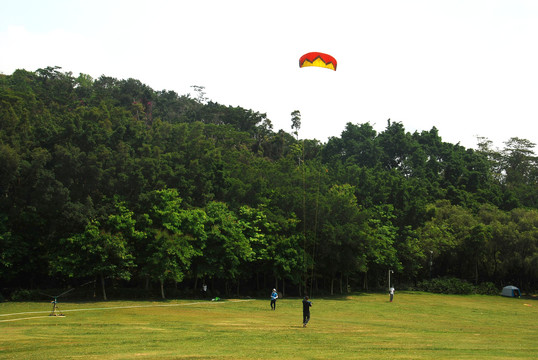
{"x":318,"y":59}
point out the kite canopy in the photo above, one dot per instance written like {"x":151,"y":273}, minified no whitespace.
{"x":318,"y":59}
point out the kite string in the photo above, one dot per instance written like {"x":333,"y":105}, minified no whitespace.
{"x":315,"y":234}
{"x":304,"y":224}
{"x":118,"y":307}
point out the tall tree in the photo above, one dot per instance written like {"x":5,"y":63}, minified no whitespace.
{"x":174,"y":237}
{"x":226,"y":245}
{"x":101,"y":251}
{"x":342,"y":244}
{"x":296,"y":122}
{"x":521,"y":167}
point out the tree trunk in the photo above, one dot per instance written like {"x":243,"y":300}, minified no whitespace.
{"x":103,"y":286}
{"x":95,"y":288}
{"x":147,"y":282}
{"x":257,"y":281}
{"x":213,"y":289}
{"x":495,"y":263}
{"x":162,"y":288}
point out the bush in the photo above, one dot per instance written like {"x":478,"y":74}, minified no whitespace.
{"x":456,"y":286}
{"x":130,"y":293}
{"x":446,"y":286}
{"x":26,"y":295}
{"x":487,"y":288}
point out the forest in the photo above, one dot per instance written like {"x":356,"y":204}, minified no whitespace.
{"x":108,"y":180}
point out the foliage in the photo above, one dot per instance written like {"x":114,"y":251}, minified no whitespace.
{"x":25,"y":295}
{"x":111,"y":179}
{"x":173,"y":236}
{"x":446,"y":285}
{"x":487,"y":288}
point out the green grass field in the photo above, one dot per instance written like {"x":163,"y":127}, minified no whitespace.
{"x":367,"y":326}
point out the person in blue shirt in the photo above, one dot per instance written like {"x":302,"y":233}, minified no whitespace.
{"x":274,"y":296}
{"x":306,"y":310}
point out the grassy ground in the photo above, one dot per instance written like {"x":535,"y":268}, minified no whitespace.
{"x":414,"y":326}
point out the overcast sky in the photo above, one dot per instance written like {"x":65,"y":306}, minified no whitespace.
{"x":467,"y":67}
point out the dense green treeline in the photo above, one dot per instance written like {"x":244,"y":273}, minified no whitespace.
{"x":111,"y":180}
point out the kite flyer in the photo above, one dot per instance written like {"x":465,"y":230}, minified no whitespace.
{"x":274,"y":296}
{"x":306,"y":310}
{"x":391,"y":293}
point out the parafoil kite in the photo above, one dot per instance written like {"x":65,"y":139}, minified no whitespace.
{"x":318,"y":59}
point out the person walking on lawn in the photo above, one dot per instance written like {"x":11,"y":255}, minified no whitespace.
{"x":306,"y":310}
{"x":274,"y":296}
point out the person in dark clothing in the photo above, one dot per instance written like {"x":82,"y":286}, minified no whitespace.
{"x":306,"y":310}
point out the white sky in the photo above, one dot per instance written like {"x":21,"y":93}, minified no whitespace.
{"x":467,"y":67}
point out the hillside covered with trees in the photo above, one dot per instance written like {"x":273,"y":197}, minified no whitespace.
{"x":111,"y":180}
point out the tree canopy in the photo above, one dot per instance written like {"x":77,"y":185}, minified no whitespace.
{"x":109,"y":179}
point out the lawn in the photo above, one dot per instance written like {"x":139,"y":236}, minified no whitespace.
{"x":368,"y":326}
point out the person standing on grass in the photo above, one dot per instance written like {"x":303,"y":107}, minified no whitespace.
{"x":391,"y":292}
{"x":274,"y":296}
{"x":306,"y":310}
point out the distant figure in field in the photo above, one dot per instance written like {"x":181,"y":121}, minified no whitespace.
{"x":306,"y":310}
{"x":274,"y":296}
{"x":391,"y":292}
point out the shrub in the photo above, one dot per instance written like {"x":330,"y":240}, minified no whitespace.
{"x":25,"y":295}
{"x":446,"y":286}
{"x":487,"y":288}
{"x":456,"y":286}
